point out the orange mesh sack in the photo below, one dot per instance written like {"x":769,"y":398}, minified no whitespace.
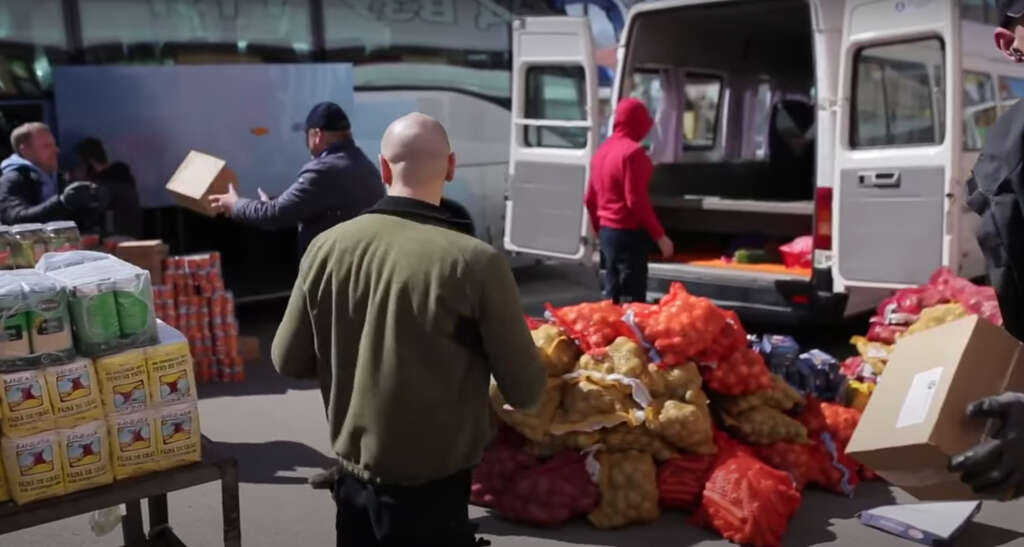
{"x":741,"y":373}
{"x":748,"y":502}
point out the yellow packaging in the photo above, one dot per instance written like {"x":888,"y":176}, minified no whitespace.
{"x":33,"y":467}
{"x":132,"y":445}
{"x":4,"y":493}
{"x":75,"y":394}
{"x":86,"y":456}
{"x":178,"y":440}
{"x":171,"y":374}
{"x":124,"y":383}
{"x":26,"y":408}
{"x":860,"y":394}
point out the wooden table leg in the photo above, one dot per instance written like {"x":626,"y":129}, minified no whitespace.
{"x":131,"y":525}
{"x":230,"y":504}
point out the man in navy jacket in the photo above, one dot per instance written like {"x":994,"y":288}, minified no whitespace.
{"x":336,"y":185}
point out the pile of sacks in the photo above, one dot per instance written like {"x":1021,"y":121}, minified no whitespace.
{"x":652,"y":407}
{"x":943,"y":299}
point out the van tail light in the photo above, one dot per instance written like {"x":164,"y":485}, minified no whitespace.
{"x":823,"y":219}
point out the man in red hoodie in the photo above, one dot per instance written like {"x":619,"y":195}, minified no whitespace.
{"x":620,"y":207}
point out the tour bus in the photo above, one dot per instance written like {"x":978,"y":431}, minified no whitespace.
{"x":447,"y":58}
{"x":855,"y":123}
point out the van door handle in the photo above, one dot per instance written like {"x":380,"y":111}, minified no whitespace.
{"x":879,"y":179}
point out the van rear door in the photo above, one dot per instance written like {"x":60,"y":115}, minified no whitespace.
{"x":899,"y":146}
{"x":554,"y":132}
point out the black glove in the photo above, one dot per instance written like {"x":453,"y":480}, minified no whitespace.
{"x":80,"y":196}
{"x":996,"y":465}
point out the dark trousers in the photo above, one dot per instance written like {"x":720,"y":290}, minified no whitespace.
{"x":435,"y":514}
{"x":625,"y":255}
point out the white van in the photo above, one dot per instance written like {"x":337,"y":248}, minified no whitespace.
{"x":854,"y":122}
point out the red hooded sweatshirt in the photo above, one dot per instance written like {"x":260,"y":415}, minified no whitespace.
{"x":620,"y":174}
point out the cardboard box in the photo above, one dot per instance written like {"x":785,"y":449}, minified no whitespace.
{"x":249,"y":348}
{"x":148,"y":255}
{"x":916,"y":418}
{"x":199,"y":177}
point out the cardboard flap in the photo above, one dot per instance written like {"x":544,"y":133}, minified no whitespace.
{"x":194,"y":175}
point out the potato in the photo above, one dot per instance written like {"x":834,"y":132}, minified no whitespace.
{"x":781,"y":397}
{"x":629,"y":490}
{"x":765,"y":425}
{"x":553,"y":444}
{"x":533,"y":423}
{"x":582,"y":399}
{"x":623,"y":438}
{"x":686,"y":426}
{"x":623,"y":357}
{"x":674,"y":382}
{"x":558,"y":353}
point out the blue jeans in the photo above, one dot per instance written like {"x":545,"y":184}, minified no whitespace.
{"x":625,"y":255}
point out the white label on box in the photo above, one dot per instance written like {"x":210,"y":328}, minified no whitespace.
{"x":919,"y":398}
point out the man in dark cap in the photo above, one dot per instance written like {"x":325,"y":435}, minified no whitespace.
{"x":336,"y":185}
{"x":996,"y":192}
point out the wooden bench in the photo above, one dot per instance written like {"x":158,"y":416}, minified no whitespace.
{"x":154,"y":488}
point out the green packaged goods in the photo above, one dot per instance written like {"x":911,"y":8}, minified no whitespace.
{"x":135,"y":312}
{"x":14,"y":342}
{"x":31,"y":244}
{"x":7,"y":243}
{"x":48,"y":320}
{"x":94,"y":312}
{"x":62,"y":236}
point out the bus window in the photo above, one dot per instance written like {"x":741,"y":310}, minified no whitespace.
{"x":32,"y":38}
{"x":555,"y":93}
{"x":1010,"y":91}
{"x":979,"y":108}
{"x":899,"y":95}
{"x":200,"y":31}
{"x":461,"y":45}
{"x":980,"y":11}
{"x":647,"y":88}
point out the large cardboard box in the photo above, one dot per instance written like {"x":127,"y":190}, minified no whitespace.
{"x":199,"y":177}
{"x":916,"y":418}
{"x":148,"y":255}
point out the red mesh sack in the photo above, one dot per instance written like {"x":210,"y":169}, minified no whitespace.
{"x":748,"y":502}
{"x":742,"y":373}
{"x":533,"y":323}
{"x":681,"y":480}
{"x":867,"y":474}
{"x":797,"y":253}
{"x":812,"y":463}
{"x":502,"y":461}
{"x":683,"y":326}
{"x":813,"y":417}
{"x":549,"y":494}
{"x":841,"y":422}
{"x":732,"y":338}
{"x":594,"y":325}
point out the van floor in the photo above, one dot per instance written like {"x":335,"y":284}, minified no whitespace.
{"x":713,"y":261}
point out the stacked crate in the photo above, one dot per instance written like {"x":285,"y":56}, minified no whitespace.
{"x":194,"y":300}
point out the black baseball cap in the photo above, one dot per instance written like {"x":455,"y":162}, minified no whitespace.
{"x":327,"y":116}
{"x":1010,"y":10}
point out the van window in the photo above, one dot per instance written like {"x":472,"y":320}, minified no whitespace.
{"x":1010,"y":91}
{"x":32,"y":38}
{"x":979,"y":108}
{"x":647,"y":88}
{"x":899,"y":95}
{"x":556,"y":93}
{"x":702,"y":94}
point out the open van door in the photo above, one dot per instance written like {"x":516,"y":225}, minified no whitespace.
{"x":554,"y":132}
{"x":897,"y":161}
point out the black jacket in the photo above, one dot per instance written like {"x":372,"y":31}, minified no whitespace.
{"x":332,"y":188}
{"x":996,"y":192}
{"x":21,"y":199}
{"x":124,"y":214}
